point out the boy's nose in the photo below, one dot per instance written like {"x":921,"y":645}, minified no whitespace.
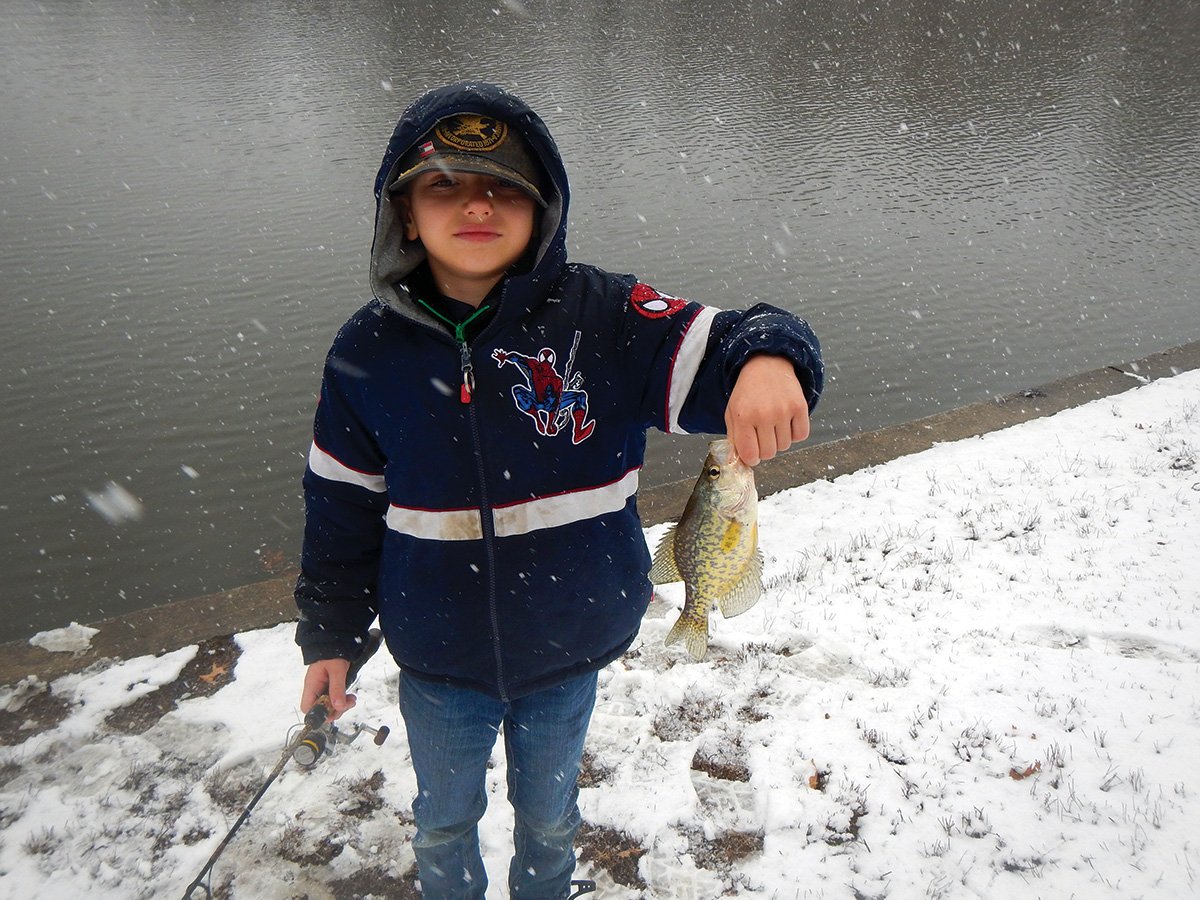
{"x":480,"y":201}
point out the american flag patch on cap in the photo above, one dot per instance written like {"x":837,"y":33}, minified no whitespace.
{"x":426,"y":149}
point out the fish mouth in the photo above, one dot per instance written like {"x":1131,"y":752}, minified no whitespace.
{"x":723,"y":452}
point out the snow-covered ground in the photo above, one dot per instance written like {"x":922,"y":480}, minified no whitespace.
{"x":973,"y":674}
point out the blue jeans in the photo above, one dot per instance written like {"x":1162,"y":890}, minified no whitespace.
{"x":451,"y":732}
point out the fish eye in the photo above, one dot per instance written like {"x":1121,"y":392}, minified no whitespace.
{"x":714,"y":471}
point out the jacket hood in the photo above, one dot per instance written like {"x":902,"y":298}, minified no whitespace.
{"x":394,"y":257}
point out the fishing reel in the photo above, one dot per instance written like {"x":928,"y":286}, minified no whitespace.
{"x":312,"y":747}
{"x":306,"y":744}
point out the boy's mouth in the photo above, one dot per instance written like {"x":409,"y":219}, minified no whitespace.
{"x":476,"y":234}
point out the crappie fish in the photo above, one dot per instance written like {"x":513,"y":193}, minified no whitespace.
{"x":713,"y":549}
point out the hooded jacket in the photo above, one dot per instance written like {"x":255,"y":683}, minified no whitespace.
{"x":478,"y":493}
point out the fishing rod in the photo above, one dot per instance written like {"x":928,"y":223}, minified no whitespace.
{"x":307,"y":744}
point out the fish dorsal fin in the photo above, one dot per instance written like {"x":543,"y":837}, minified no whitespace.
{"x":664,"y":570}
{"x":746,"y":592}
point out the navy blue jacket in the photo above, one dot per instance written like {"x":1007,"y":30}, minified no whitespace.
{"x":479,"y":496}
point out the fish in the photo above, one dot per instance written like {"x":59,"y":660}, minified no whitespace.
{"x":713,"y":549}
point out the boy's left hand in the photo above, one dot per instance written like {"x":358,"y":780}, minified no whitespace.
{"x":767,"y":411}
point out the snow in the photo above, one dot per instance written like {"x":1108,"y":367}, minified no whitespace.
{"x":115,"y":503}
{"x":73,"y":638}
{"x":973,"y":674}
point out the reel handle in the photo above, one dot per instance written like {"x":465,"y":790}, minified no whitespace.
{"x":380,"y":734}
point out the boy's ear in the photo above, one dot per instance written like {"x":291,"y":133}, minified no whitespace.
{"x":403,"y":210}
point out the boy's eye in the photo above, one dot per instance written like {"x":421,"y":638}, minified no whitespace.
{"x":448,"y":183}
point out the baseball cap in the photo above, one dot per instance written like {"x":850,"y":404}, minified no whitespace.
{"x":467,"y":142}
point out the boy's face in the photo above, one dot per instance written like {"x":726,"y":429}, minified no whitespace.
{"x":473,"y":227}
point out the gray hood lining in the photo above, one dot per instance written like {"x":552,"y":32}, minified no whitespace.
{"x":394,"y":256}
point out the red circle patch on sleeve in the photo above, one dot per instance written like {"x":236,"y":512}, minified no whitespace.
{"x":652,"y":304}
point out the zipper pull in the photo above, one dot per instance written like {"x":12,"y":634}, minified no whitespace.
{"x":468,"y":373}
{"x":464,"y":352}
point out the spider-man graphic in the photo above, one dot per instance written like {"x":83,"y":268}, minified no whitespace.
{"x":550,"y":399}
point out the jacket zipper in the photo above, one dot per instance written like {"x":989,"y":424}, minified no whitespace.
{"x":489,"y":549}
{"x":466,"y":390}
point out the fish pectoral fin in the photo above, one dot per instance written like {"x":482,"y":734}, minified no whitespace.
{"x":746,"y":592}
{"x":693,"y":633}
{"x":664,"y":570}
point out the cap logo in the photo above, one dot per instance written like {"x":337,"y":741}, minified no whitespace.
{"x":426,"y":149}
{"x":471,"y":133}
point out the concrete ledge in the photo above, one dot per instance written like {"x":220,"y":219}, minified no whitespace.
{"x":267,"y":603}
{"x":159,"y":629}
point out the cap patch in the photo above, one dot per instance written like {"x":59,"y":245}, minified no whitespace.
{"x":472,"y":133}
{"x":427,"y":149}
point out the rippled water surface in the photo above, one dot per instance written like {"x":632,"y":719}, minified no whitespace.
{"x":964,"y":198}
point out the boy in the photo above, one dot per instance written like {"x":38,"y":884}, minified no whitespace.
{"x":473,"y":474}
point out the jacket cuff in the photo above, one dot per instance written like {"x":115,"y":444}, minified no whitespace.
{"x":318,"y":643}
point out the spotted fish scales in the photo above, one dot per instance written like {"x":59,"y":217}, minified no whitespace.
{"x":713,"y":549}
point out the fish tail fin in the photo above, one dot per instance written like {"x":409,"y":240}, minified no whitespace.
{"x":693,"y":633}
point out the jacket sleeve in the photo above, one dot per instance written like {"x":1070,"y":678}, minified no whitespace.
{"x":697,"y":351}
{"x":345,"y":501}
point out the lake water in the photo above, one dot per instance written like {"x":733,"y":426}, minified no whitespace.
{"x":964,"y":198}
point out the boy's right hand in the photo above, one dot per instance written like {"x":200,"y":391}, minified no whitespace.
{"x":327,"y":676}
